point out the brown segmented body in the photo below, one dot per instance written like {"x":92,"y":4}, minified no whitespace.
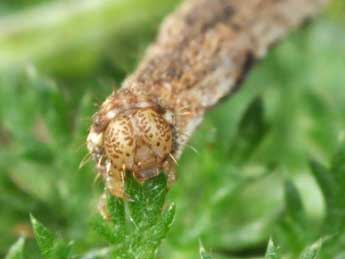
{"x":202,"y":53}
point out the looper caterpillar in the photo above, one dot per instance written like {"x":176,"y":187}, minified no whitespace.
{"x":202,"y":53}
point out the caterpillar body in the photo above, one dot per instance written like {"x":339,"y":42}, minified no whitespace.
{"x":131,"y":134}
{"x":202,"y":53}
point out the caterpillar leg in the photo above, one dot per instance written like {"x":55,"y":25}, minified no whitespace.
{"x":102,"y":207}
{"x":115,"y":183}
{"x":169,"y":168}
{"x":142,"y":176}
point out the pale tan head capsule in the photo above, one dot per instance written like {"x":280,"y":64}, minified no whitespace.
{"x":134,"y":135}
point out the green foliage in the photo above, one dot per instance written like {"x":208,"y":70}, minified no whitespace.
{"x":17,"y":250}
{"x":272,"y":251}
{"x":332,"y":184}
{"x":312,"y":252}
{"x":251,"y":131}
{"x":293,"y":229}
{"x":229,"y":195}
{"x":137,"y":227}
{"x":292,"y":225}
{"x":202,"y":252}
{"x":50,"y":246}
{"x":134,"y":228}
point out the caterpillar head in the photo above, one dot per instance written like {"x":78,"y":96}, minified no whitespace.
{"x":131,"y":135}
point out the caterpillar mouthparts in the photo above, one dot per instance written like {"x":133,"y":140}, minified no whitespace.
{"x":131,"y":134}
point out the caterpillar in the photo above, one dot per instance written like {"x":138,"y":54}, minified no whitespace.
{"x":202,"y":53}
{"x":132,"y":133}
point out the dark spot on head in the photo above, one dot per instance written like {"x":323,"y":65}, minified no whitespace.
{"x":158,"y":144}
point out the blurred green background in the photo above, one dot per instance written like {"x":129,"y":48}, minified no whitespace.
{"x":60,"y":59}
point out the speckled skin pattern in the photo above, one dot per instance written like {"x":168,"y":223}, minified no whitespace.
{"x":202,"y":54}
{"x":135,"y":134}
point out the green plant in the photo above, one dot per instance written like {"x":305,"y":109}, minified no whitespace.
{"x":228,"y":196}
{"x":134,"y":228}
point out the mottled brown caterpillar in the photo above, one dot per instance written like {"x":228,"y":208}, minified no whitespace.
{"x":132,"y":133}
{"x":202,"y":52}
